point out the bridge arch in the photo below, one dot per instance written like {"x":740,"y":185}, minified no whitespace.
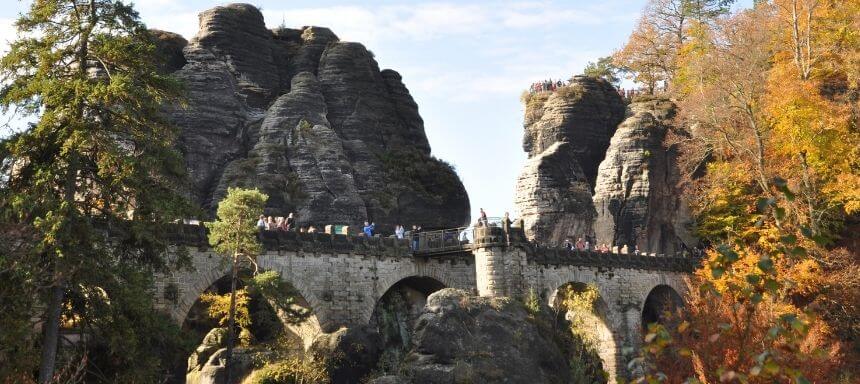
{"x":660,"y":303}
{"x":598,"y":322}
{"x":396,"y":312}
{"x":207,"y":275}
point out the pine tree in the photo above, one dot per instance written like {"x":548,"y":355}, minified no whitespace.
{"x":94,"y":178}
{"x":234,"y":235}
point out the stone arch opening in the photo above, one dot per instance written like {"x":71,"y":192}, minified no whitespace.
{"x":661,"y":306}
{"x":268,"y":323}
{"x":396,"y":312}
{"x":591,"y":323}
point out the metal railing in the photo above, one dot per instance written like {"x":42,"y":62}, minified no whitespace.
{"x":444,"y":240}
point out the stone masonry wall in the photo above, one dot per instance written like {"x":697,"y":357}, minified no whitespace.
{"x":341,"y":278}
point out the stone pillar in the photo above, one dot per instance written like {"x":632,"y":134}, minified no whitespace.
{"x":499,"y":267}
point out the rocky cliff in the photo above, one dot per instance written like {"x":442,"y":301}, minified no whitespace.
{"x":601,"y":170}
{"x":636,"y":198}
{"x":566,"y":136}
{"x":310,"y":120}
{"x":461,"y":338}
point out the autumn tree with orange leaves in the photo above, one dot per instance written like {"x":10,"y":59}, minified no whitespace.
{"x":769,"y":97}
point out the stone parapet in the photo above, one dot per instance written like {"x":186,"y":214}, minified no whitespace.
{"x":564,"y":257}
{"x":308,"y":243}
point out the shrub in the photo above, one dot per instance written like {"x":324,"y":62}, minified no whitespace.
{"x":293,"y":370}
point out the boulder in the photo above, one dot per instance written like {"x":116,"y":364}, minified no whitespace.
{"x":350,"y":354}
{"x":206,"y":365}
{"x":468,"y":339}
{"x":636,"y":197}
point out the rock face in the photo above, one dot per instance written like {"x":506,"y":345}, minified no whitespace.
{"x":350,"y":354}
{"x":566,"y":136}
{"x":467,"y":339}
{"x":207,"y":364}
{"x":310,"y":120}
{"x":636,"y":198}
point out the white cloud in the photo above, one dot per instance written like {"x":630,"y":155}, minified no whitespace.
{"x":7,"y":33}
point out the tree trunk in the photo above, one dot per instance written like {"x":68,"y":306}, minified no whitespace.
{"x":231,"y":323}
{"x":51,"y":334}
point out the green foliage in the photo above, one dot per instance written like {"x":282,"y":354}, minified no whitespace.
{"x":280,"y":294}
{"x":411,"y":171}
{"x":235,"y":231}
{"x":603,"y":69}
{"x":130,"y":341}
{"x":294,"y":370}
{"x":580,"y":306}
{"x":219,"y":308}
{"x":532,"y":302}
{"x":99,"y":157}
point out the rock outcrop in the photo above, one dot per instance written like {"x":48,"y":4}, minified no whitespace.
{"x":349,"y":354}
{"x":566,"y":136}
{"x":310,"y":120}
{"x":636,"y":198}
{"x":207,"y":365}
{"x":467,"y":339}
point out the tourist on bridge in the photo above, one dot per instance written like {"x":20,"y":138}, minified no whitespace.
{"x":415,"y":236}
{"x":399,"y":231}
{"x":580,"y":244}
{"x":290,"y":222}
{"x":261,"y":224}
{"x":368,"y":229}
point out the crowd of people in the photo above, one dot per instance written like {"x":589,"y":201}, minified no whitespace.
{"x":546,"y":86}
{"x":553,"y":85}
{"x":288,"y":224}
{"x":629,"y":93}
{"x":586,"y":245}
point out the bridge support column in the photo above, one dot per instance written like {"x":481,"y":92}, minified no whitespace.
{"x":499,"y":263}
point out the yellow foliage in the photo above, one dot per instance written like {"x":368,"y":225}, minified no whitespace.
{"x":219,"y":309}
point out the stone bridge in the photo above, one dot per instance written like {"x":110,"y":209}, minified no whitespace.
{"x":342,"y":278}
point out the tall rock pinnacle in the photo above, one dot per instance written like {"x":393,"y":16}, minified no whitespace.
{"x":566,"y":136}
{"x":310,"y":120}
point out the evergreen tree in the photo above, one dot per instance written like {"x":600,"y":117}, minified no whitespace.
{"x":234,"y":235}
{"x":92,"y":182}
{"x":602,"y":69}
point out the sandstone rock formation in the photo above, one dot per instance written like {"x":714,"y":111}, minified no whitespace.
{"x":310,"y":120}
{"x":207,"y":365}
{"x":350,"y":354}
{"x":461,"y":338}
{"x":636,"y":198}
{"x":566,"y":136}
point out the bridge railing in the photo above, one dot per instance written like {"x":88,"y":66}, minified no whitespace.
{"x":445,"y":240}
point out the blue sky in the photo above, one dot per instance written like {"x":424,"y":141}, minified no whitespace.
{"x":465,"y":63}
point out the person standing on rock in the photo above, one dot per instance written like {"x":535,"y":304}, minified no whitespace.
{"x":568,"y":245}
{"x":580,"y":244}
